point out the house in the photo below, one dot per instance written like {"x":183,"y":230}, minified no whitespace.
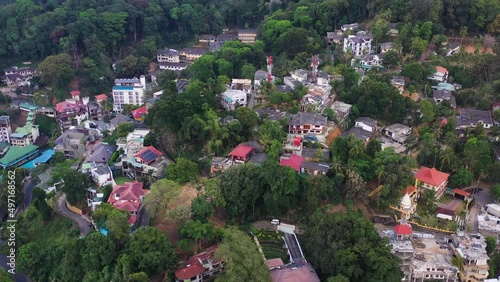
{"x":399,"y":82}
{"x":173,"y":66}
{"x":334,"y":37}
{"x":386,"y":142}
{"x":101,"y":153}
{"x":321,"y":91}
{"x":138,"y":161}
{"x":139,"y":113}
{"x":206,"y":38}
{"x":304,"y":123}
{"x":366,"y":123}
{"x":241,"y":154}
{"x":351,"y":27}
{"x":314,"y":168}
{"x":192,"y":53}
{"x":71,"y":112}
{"x":167,"y":55}
{"x":128,"y":197}
{"x":293,"y":161}
{"x":306,"y":77}
{"x":359,"y":45}
{"x":291,"y":82}
{"x":182,"y":85}
{"x":292,"y":273}
{"x":472,"y":118}
{"x":102,"y":175}
{"x":119,"y":118}
{"x":393,"y":29}
{"x":472,"y":249}
{"x":445,"y":213}
{"x":359,"y":133}
{"x":397,"y":132}
{"x":244,"y":85}
{"x":367,"y":62}
{"x":453,"y":48}
{"x":128,"y":92}
{"x":16,"y":76}
{"x":231,"y":99}
{"x":95,"y":110}
{"x":444,"y":95}
{"x":284,"y":88}
{"x":201,"y":267}
{"x":311,"y":103}
{"x":220,"y":164}
{"x":432,"y":179}
{"x":17,"y":156}
{"x":74,"y":142}
{"x":151,"y":102}
{"x":5,"y":129}
{"x":387,"y":46}
{"x":440,"y":75}
{"x":315,"y":154}
{"x":342,"y":110}
{"x":258,"y":77}
{"x":25,"y":135}
{"x":226,"y":37}
{"x":101,"y":98}
{"x":247,"y":35}
{"x":273,"y":114}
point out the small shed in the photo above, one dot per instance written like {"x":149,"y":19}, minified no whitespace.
{"x":461,"y":194}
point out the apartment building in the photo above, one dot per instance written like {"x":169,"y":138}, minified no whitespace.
{"x":16,"y":76}
{"x":167,"y":55}
{"x":71,"y":112}
{"x":5,"y":129}
{"x":25,"y":135}
{"x":128,"y":92}
{"x":472,"y":249}
{"x":233,"y":98}
{"x":247,"y":35}
{"x":304,"y":123}
{"x":359,"y":44}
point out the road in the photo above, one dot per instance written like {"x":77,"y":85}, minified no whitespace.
{"x":294,"y":249}
{"x":18,"y":277}
{"x":481,"y":198}
{"x":28,"y":186}
{"x":62,"y":209}
{"x":251,"y":99}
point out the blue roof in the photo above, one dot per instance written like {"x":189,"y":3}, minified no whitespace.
{"x":43,"y":158}
{"x":104,"y":231}
{"x":123,"y":88}
{"x":17,"y":135}
{"x":27,"y":106}
{"x":4,"y":117}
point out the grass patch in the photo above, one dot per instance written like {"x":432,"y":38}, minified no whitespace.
{"x":122,"y":179}
{"x":446,"y":199}
{"x":460,"y":208}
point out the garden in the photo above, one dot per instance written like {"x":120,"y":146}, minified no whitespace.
{"x":272,"y":244}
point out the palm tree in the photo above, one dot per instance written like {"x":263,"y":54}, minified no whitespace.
{"x":357,"y":149}
{"x":381,"y":174}
{"x":446,"y":157}
{"x":337,"y":166}
{"x":265,"y":140}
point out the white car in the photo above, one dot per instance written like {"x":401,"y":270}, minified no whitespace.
{"x":275,"y":221}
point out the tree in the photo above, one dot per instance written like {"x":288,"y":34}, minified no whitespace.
{"x":56,"y":71}
{"x":98,"y":252}
{"x":198,"y":232}
{"x":150,"y":251}
{"x":413,"y":71}
{"x":247,"y":267}
{"x":183,"y":171}
{"x":161,"y":193}
{"x":281,"y":187}
{"x":139,"y":277}
{"x":392,"y":58}
{"x":491,"y":244}
{"x":427,"y":202}
{"x":75,"y":185}
{"x":358,"y":255}
{"x":10,"y":180}
{"x":461,"y":179}
{"x":318,"y":190}
{"x":5,"y":276}
{"x":248,"y":119}
{"x":273,"y":130}
{"x":201,"y":209}
{"x":123,"y":129}
{"x":164,"y":76}
{"x":114,"y":220}
{"x":495,"y":192}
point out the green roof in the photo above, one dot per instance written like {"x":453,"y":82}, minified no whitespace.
{"x":4,"y":145}
{"x":27,"y":106}
{"x":15,"y":154}
{"x":24,"y":129}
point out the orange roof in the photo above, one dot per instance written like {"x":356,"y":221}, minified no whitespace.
{"x":403,"y":229}
{"x":441,"y":69}
{"x":461,"y":192}
{"x":431,"y":176}
{"x":408,"y":190}
{"x":101,"y":97}
{"x":241,"y":151}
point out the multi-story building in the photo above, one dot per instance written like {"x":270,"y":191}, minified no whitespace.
{"x":128,"y":92}
{"x":173,"y":66}
{"x":128,"y":197}
{"x":102,"y":175}
{"x":472,"y":249}
{"x":139,"y":161}
{"x":359,"y":45}
{"x":473,"y":118}
{"x":201,"y":267}
{"x":351,"y":27}
{"x":247,"y":35}
{"x":336,"y":37}
{"x":167,"y":55}
{"x":304,"y":123}
{"x":233,"y":98}
{"x":71,"y":112}
{"x":192,"y":53}
{"x":207,"y":38}
{"x":18,"y":76}
{"x":440,"y":75}
{"x":399,"y":82}
{"x":432,"y":179}
{"x":25,"y":135}
{"x":403,"y":249}
{"x":5,"y":129}
{"x":73,"y":143}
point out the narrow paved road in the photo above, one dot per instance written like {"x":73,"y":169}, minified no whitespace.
{"x":28,"y":186}
{"x":62,"y":209}
{"x":293,"y":247}
{"x":18,"y":277}
{"x":481,"y":198}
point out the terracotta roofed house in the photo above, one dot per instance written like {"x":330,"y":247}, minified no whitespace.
{"x":201,"y":267}
{"x":241,"y":154}
{"x":128,"y":197}
{"x":293,"y":161}
{"x":441,"y":74}
{"x":432,"y":179}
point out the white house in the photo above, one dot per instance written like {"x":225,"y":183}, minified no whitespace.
{"x":128,"y":92}
{"x":366,"y":124}
{"x":359,"y":45}
{"x":368,"y":61}
{"x":167,"y":55}
{"x":25,"y":135}
{"x":352,"y":26}
{"x":232,"y":98}
{"x":102,"y":175}
{"x":453,"y":49}
{"x":16,"y":76}
{"x":386,"y":46}
{"x":173,"y":66}
{"x":440,"y":75}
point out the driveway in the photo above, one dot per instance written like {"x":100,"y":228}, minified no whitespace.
{"x":62,"y":209}
{"x":294,"y":249}
{"x":482,"y":197}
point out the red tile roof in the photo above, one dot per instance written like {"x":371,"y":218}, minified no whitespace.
{"x":241,"y":151}
{"x":144,"y":154}
{"x":127,"y":196}
{"x":132,"y":219}
{"x":274,"y":263}
{"x":189,"y":272}
{"x":101,"y":97}
{"x":431,"y":176}
{"x":403,"y":229}
{"x":75,"y":93}
{"x":441,"y":69}
{"x":461,"y":192}
{"x":65,"y":106}
{"x":139,"y":113}
{"x":294,"y":162}
{"x":409,"y":190}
